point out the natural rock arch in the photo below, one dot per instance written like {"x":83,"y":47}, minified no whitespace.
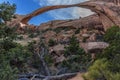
{"x":108,"y":11}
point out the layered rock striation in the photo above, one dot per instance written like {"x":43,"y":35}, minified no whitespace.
{"x":107,"y":11}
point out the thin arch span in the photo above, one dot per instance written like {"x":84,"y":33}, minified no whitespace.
{"x":103,"y":8}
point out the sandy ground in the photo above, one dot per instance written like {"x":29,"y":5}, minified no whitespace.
{"x":77,"y":77}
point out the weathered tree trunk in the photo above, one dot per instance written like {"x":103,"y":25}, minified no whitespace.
{"x":43,"y":62}
{"x":57,"y":77}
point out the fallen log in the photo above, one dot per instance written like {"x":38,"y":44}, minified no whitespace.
{"x":30,"y":75}
{"x":56,"y":77}
{"x":60,"y":77}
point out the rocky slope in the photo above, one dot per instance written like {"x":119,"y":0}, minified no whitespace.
{"x":88,"y":30}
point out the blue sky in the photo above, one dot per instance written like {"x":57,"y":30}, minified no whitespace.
{"x":27,"y":6}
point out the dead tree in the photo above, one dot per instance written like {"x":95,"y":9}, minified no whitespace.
{"x":56,"y":77}
{"x":41,"y":57}
{"x":47,"y":76}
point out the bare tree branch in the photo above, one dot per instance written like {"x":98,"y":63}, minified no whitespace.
{"x":30,"y":75}
{"x":60,"y":77}
{"x":61,"y":71}
{"x":57,"y":77}
{"x":44,"y":63}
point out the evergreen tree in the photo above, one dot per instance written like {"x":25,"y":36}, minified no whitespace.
{"x":107,"y":66}
{"x":7,"y":11}
{"x":73,"y":48}
{"x":76,"y":58}
{"x":12,"y":54}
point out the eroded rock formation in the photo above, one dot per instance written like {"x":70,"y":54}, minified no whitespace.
{"x":107,"y":10}
{"x":94,"y":47}
{"x":85,"y":22}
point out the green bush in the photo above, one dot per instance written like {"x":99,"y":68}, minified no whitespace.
{"x":7,"y":44}
{"x":12,"y":55}
{"x":84,"y":39}
{"x":48,"y":59}
{"x":7,"y":32}
{"x":17,"y":53}
{"x":20,"y":37}
{"x":107,"y":66}
{"x":32,"y":35}
{"x":7,"y":73}
{"x":49,"y":29}
{"x":59,"y":29}
{"x":7,"y":11}
{"x":73,"y":48}
{"x":76,"y":58}
{"x":112,"y":53}
{"x":77,"y":31}
{"x":13,"y":60}
{"x":30,"y":46}
{"x":112,"y":34}
{"x":51,"y":42}
{"x":98,"y":71}
{"x":115,"y":76}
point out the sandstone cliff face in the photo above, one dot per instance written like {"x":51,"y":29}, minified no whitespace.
{"x":107,"y":15}
{"x":107,"y":10}
{"x":85,"y":22}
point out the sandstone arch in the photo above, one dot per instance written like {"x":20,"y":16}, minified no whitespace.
{"x":107,"y":10}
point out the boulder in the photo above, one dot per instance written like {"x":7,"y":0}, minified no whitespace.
{"x":93,"y":47}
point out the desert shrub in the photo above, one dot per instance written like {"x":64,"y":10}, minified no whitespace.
{"x":30,"y":46}
{"x":12,"y":55}
{"x":21,"y":53}
{"x":77,"y":31}
{"x":73,"y":48}
{"x":76,"y":58}
{"x":7,"y":44}
{"x":84,"y":39}
{"x":112,"y":53}
{"x":99,"y":37}
{"x":32,"y":35}
{"x":66,"y":28}
{"x":7,"y":11}
{"x":7,"y":33}
{"x":115,"y":76}
{"x":98,"y":71}
{"x":76,"y":63}
{"x":48,"y":59}
{"x":49,"y":29}
{"x":7,"y":73}
{"x":15,"y":55}
{"x":107,"y":66}
{"x":112,"y":34}
{"x":20,"y":37}
{"x":51,"y":42}
{"x":59,"y":29}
